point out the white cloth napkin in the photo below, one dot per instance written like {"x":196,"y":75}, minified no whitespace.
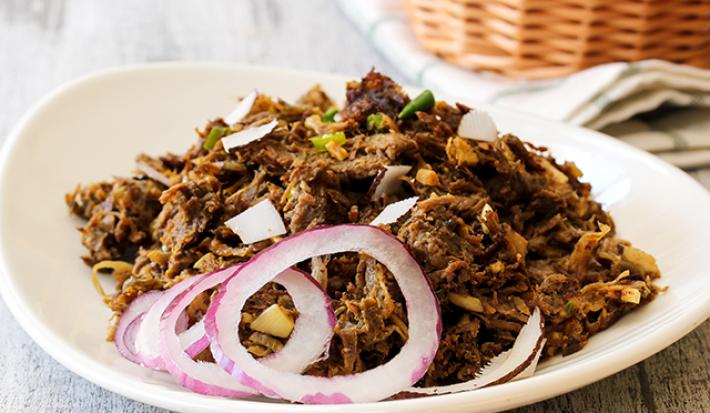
{"x":607,"y":97}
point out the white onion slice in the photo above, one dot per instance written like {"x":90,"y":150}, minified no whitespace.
{"x":257,"y":223}
{"x":147,"y":341}
{"x":388,"y":180}
{"x":152,"y":173}
{"x":129,"y":324}
{"x":242,"y":109}
{"x":394,"y":211}
{"x":311,"y":335}
{"x":479,"y":125}
{"x":405,"y":369}
{"x":506,"y":365}
{"x":248,"y":135}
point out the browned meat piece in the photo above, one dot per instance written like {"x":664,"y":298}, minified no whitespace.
{"x":391,"y":146}
{"x":84,"y":201}
{"x":120,"y":215}
{"x":438,"y":237}
{"x":456,"y":360}
{"x":360,"y":168}
{"x":188,"y":208}
{"x":315,"y":97}
{"x":374,"y":93}
{"x":370,"y":324}
{"x":309,"y":211}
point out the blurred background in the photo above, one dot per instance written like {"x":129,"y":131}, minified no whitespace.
{"x":564,"y":60}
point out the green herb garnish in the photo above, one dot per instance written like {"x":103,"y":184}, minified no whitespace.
{"x":374,"y":121}
{"x":570,"y":307}
{"x":422,"y":103}
{"x":321,"y":140}
{"x":216,"y":133}
{"x":329,"y":115}
{"x":293,"y":192}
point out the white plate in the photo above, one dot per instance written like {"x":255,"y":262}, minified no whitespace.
{"x":91,"y":129}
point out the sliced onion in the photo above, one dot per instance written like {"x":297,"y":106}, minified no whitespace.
{"x":152,"y":173}
{"x":389,"y":179}
{"x":147,"y":341}
{"x":505,"y":366}
{"x":310,"y":337}
{"x":257,"y":223}
{"x":204,"y":378}
{"x":182,"y":323}
{"x":405,"y":369}
{"x":394,"y":211}
{"x":129,"y":323}
{"x":242,"y":109}
{"x":194,"y":340}
{"x":478,"y":124}
{"x":249,"y":135}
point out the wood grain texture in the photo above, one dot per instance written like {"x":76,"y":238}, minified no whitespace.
{"x":44,"y":43}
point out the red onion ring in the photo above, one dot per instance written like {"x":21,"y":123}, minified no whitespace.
{"x":402,"y":371}
{"x":127,"y":328}
{"x":310,"y":337}
{"x":194,"y":339}
{"x":148,"y":338}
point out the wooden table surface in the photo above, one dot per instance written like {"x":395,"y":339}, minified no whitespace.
{"x":44,"y":43}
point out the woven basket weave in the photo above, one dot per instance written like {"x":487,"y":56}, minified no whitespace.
{"x":549,"y":38}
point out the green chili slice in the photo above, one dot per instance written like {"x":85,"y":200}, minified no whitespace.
{"x":321,"y":140}
{"x":329,"y":115}
{"x":422,"y":103}
{"x":216,"y":133}
{"x":374,"y":121}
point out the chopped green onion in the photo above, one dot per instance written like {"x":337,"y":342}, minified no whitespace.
{"x":293,"y":192}
{"x":321,"y":140}
{"x":374,"y":121}
{"x":570,"y":307}
{"x":216,"y":133}
{"x":422,"y":103}
{"x":329,"y":115}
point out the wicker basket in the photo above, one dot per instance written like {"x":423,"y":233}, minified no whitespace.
{"x":549,"y":38}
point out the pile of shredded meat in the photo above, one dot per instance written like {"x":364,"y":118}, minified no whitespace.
{"x":500,"y":228}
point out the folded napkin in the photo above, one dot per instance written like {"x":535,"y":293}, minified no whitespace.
{"x":611,"y":97}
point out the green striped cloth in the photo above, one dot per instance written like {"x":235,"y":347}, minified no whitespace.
{"x":657,"y":106}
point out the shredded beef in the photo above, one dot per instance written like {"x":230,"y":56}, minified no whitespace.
{"x":501,"y":222}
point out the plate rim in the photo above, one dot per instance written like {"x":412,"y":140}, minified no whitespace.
{"x":565,"y":380}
